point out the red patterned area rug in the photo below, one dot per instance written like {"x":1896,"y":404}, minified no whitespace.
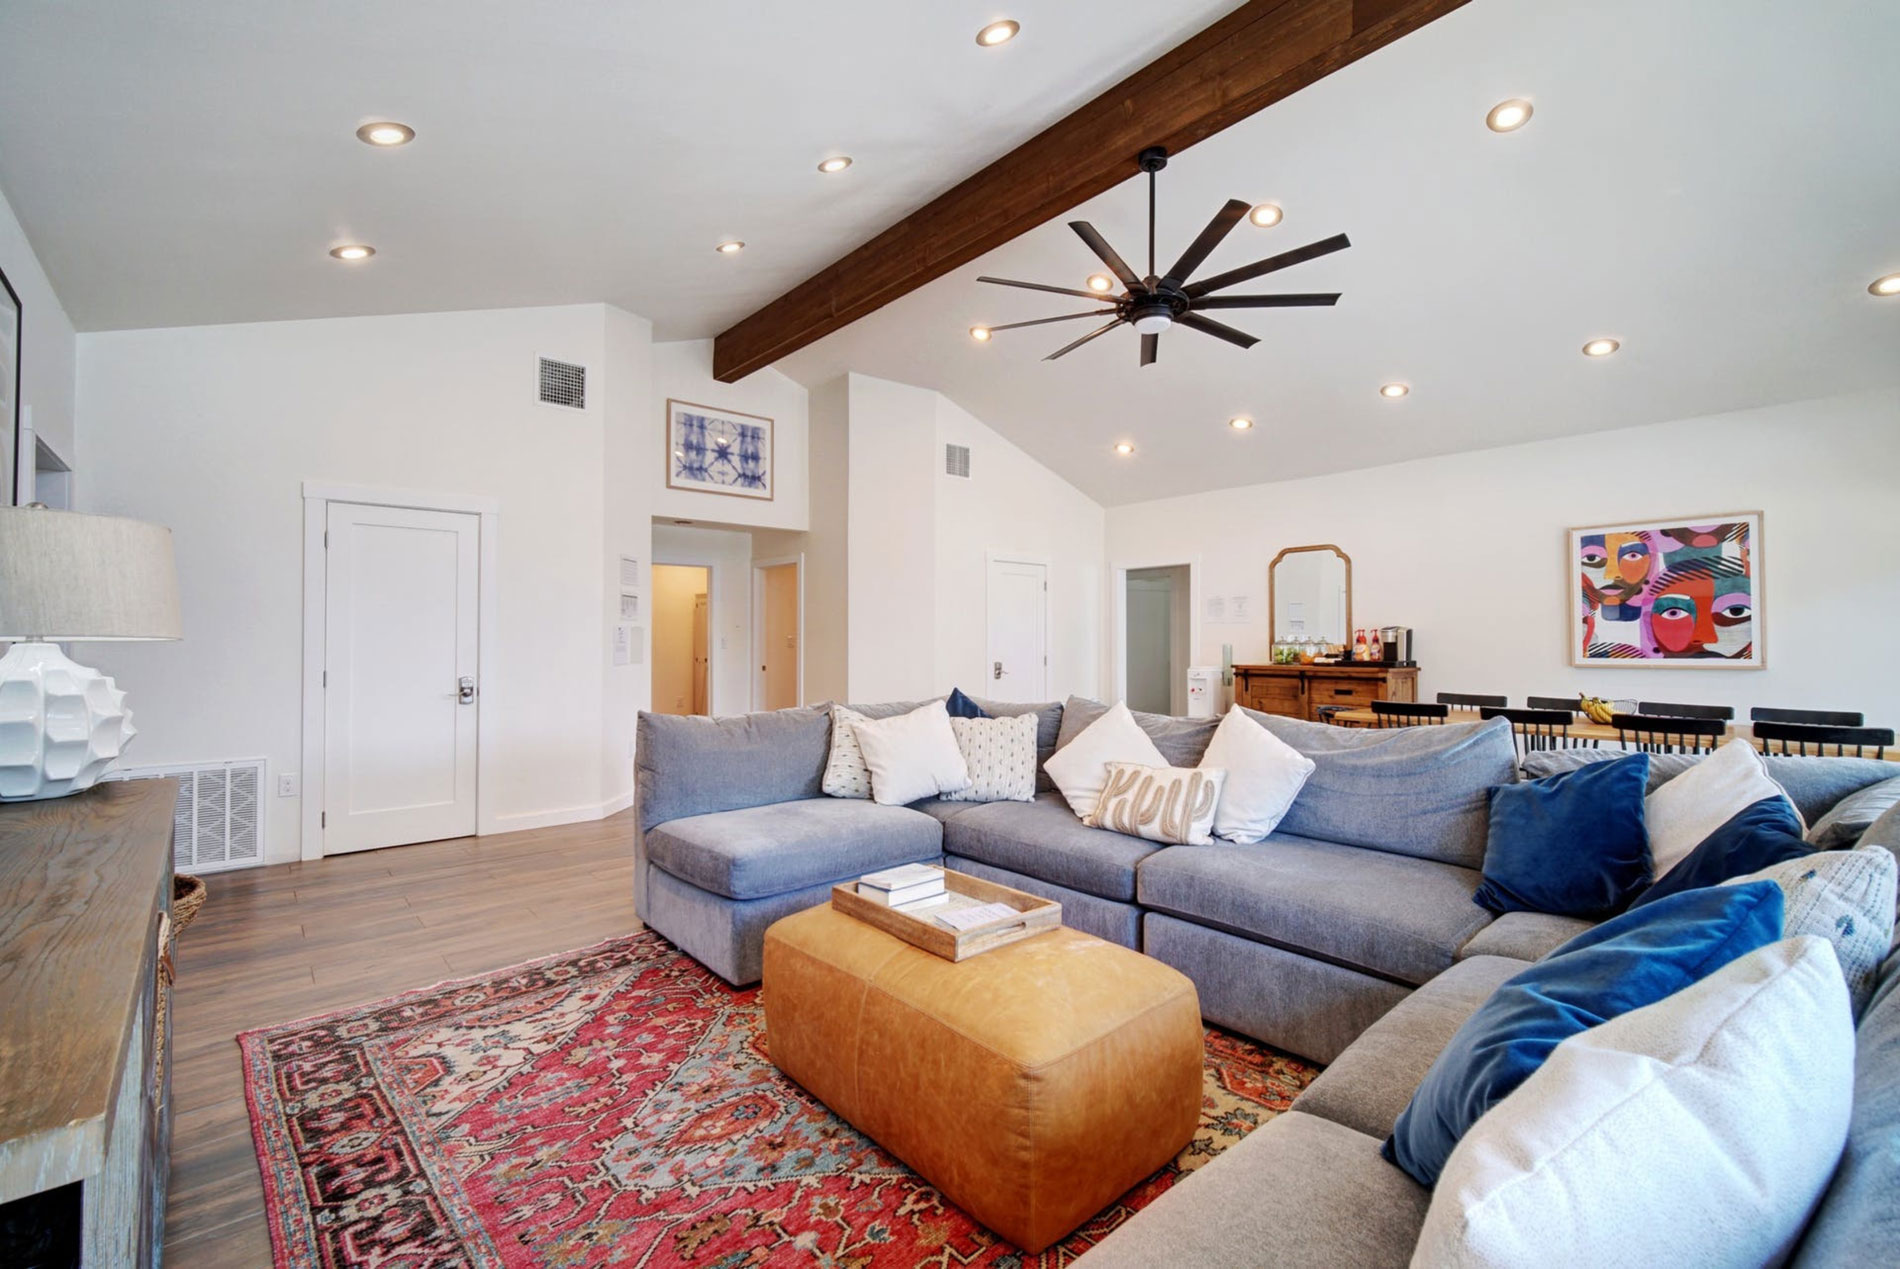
{"x":615,"y":1106}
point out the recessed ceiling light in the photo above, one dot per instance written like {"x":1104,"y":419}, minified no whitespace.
{"x":353,"y":251}
{"x":1124,"y":448}
{"x":1889,"y":285}
{"x":1101,"y":282}
{"x":1266,"y":215}
{"x":730,"y":247}
{"x":1240,"y":423}
{"x":1394,"y":390}
{"x":836,"y":163}
{"x":1508,"y":116}
{"x":998,"y":33}
{"x":1600,"y":347}
{"x":981,"y":334}
{"x":386,"y":134}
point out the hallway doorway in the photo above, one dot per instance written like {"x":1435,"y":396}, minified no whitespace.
{"x":682,"y":625}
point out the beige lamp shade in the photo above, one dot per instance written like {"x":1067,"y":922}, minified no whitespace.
{"x":71,"y":577}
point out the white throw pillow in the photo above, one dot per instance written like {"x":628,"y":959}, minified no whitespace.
{"x":1080,"y":768}
{"x":1845,"y":897}
{"x":1264,"y":775}
{"x":1684,"y":811}
{"x":1161,"y":804}
{"x":1001,"y":756}
{"x":1700,"y":1130}
{"x":846,"y":776}
{"x":912,"y":756}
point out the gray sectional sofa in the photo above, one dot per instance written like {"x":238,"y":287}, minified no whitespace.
{"x":1348,"y":937}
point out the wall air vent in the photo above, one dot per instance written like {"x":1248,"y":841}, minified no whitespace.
{"x":956,"y":461}
{"x":563,"y":383}
{"x":217,"y":822}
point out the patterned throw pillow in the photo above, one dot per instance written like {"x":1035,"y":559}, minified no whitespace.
{"x":1845,"y":897}
{"x":846,"y":775}
{"x":1162,"y":804}
{"x":1001,"y":755}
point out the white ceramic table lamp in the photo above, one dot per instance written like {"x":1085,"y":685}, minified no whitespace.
{"x":66,"y":577}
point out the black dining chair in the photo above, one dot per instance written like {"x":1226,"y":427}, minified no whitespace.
{"x":1662,"y":708}
{"x":1535,"y":729}
{"x":1812,"y":717}
{"x":1668,"y":733}
{"x":1472,"y":700}
{"x":1408,"y":714}
{"x":1810,"y":740}
{"x":1569,"y":704}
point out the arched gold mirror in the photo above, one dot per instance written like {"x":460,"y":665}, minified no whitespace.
{"x":1309,"y":595}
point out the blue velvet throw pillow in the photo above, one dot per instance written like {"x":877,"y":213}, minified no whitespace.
{"x":1571,"y":844}
{"x":961,"y":706}
{"x":1756,"y":837}
{"x":1628,"y":962}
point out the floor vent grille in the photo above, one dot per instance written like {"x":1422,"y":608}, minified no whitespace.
{"x":218,"y":821}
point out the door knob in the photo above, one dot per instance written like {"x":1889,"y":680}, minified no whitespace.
{"x":998,"y":672}
{"x":465,"y":690}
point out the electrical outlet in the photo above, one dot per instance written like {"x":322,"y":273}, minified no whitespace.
{"x":286,"y":785}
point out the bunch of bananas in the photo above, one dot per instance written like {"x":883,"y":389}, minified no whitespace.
{"x":1596,"y":709}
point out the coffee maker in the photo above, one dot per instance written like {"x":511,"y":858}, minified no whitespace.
{"x":1396,"y":645}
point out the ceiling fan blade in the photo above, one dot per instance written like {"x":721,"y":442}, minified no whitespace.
{"x":1310,"y":300}
{"x":1219,"y":330}
{"x":1286,"y":259}
{"x":1069,"y":348}
{"x":1218,"y":228}
{"x":1037,"y":286}
{"x":1150,"y":345}
{"x":1099,"y":245}
{"x":1044,"y":321}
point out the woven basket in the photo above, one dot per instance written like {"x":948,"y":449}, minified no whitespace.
{"x":188,"y":895}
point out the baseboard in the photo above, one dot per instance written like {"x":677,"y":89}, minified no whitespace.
{"x":564,"y":815}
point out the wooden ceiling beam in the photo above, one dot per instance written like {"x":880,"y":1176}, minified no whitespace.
{"x":1260,"y":53}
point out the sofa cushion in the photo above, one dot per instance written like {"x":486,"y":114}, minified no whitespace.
{"x":1181,"y":741}
{"x":1299,"y":1191}
{"x":1845,"y":897}
{"x":692,"y":766}
{"x":1853,"y":815}
{"x":1570,"y":844}
{"x":1391,"y":915}
{"x":1043,"y":839}
{"x":1858,"y":1222}
{"x":1753,"y":838}
{"x":1685,"y":811}
{"x":1416,"y":791}
{"x":1814,"y":785}
{"x":1527,"y":936}
{"x":767,"y":850}
{"x":1369,"y":1084}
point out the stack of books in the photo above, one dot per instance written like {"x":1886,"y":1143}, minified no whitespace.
{"x":908,"y":888}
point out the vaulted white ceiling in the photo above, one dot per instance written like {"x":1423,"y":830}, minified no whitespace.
{"x":189,"y":161}
{"x":1710,"y":181}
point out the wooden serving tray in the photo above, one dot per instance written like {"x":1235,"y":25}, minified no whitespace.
{"x":919,"y":929}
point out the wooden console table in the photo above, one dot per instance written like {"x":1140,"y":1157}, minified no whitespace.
{"x":1301,"y":691}
{"x":85,"y":1117}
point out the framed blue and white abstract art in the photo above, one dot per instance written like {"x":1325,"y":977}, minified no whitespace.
{"x":718,"y":451}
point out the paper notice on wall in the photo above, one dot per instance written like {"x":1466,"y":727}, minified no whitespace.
{"x":1229,"y":610}
{"x":631,"y":578}
{"x":629,"y":606}
{"x":1214,"y":610}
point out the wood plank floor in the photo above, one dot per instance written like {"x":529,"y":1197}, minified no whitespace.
{"x":274,"y":944}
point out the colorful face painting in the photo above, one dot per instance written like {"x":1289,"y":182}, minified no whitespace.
{"x":1668,"y":594}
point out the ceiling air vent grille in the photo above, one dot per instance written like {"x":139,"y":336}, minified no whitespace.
{"x":956,"y":461}
{"x":563,"y":383}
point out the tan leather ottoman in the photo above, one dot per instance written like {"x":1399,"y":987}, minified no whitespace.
{"x":1033,"y":1085}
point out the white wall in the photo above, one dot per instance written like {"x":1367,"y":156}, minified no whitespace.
{"x":682,"y":370}
{"x":628,"y":454}
{"x":46,"y":355}
{"x":728,"y":552}
{"x":826,"y":547}
{"x":212,"y":430}
{"x":891,"y":551}
{"x":1470,"y":549}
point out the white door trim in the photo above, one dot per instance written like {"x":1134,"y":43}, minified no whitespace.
{"x":1118,"y":614}
{"x":991,"y":558}
{"x":317,"y":497}
{"x":758,"y":623}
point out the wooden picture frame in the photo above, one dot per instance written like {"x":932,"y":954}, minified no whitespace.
{"x":728,"y":452}
{"x":1676,"y":593}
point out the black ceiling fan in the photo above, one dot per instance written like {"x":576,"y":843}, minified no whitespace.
{"x":1152,"y":304}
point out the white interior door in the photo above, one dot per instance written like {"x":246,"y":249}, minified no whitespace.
{"x":401,"y":594}
{"x":1019,"y":631}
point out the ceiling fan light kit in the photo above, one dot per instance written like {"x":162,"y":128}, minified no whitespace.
{"x":1158,"y":302}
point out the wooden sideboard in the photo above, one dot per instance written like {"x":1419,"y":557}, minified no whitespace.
{"x":85,"y":1115}
{"x":1301,"y":691}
